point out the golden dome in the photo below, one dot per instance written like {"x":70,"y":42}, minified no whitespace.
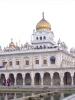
{"x":43,"y":25}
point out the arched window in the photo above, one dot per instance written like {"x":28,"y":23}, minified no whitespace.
{"x":44,"y":46}
{"x":52,"y":59}
{"x":40,"y":38}
{"x":36,"y":47}
{"x":40,"y":47}
{"x":44,"y":38}
{"x":36,"y":38}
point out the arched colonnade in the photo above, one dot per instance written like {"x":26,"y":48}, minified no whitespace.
{"x":37,"y":79}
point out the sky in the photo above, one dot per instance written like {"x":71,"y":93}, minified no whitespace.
{"x":18,"y":19}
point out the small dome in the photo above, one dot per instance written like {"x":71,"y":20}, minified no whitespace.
{"x":11,"y":44}
{"x":43,"y":25}
{"x":72,"y":50}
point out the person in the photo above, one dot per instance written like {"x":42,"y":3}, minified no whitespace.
{"x":8,"y":82}
{"x":4,"y":82}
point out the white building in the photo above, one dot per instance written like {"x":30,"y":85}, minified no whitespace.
{"x":44,"y":62}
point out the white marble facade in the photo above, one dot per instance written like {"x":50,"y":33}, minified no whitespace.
{"x":43,"y":62}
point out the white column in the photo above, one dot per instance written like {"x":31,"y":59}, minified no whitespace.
{"x":15,"y":75}
{"x":6,"y":77}
{"x":42,"y":79}
{"x":72,"y":75}
{"x":23,"y":76}
{"x":51,"y":79}
{"x":62,"y":82}
{"x":61,"y":78}
{"x":32,"y":77}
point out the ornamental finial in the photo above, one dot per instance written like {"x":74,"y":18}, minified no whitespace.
{"x":43,"y":15}
{"x":11,"y":39}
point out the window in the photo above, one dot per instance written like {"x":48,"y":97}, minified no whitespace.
{"x":44,"y":38}
{"x":44,"y":61}
{"x":36,"y":38}
{"x":10,"y":63}
{"x":17,"y":62}
{"x":44,"y":46}
{"x":27,"y":62}
{"x":40,"y":38}
{"x":40,"y":47}
{"x":52,"y":60}
{"x":36,"y":47}
{"x":4,"y":63}
{"x":37,"y":61}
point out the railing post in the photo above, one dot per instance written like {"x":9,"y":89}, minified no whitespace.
{"x":15,"y":96}
{"x":6,"y":97}
{"x":52,"y":98}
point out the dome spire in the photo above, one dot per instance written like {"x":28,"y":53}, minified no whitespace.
{"x":43,"y":15}
{"x":11,"y":39}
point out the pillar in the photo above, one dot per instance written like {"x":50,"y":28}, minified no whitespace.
{"x":61,"y":78}
{"x":51,"y":79}
{"x":72,"y":75}
{"x":42,"y":79}
{"x":6,"y":77}
{"x":15,"y":75}
{"x":23,"y":76}
{"x":62,"y":82}
{"x":32,"y":78}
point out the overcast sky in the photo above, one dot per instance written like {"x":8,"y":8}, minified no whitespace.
{"x":18,"y":18}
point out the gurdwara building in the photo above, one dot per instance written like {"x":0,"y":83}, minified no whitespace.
{"x":44,"y":62}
